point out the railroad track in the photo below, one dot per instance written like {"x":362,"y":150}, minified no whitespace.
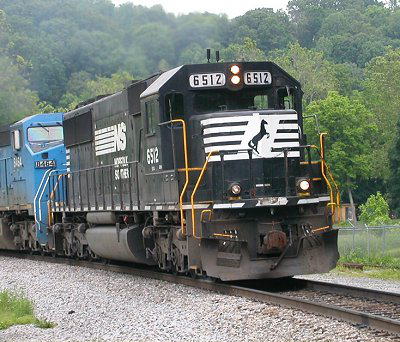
{"x":367,"y":308}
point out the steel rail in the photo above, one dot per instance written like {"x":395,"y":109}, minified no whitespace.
{"x":332,"y":311}
{"x":347,"y":290}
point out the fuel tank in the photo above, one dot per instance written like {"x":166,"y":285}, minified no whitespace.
{"x":118,"y":244}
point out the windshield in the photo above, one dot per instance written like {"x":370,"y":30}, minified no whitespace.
{"x":45,"y":134}
{"x":214,"y":101}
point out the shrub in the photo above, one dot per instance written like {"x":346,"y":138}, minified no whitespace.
{"x":375,"y":211}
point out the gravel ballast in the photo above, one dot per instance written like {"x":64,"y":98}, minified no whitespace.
{"x":95,"y":305}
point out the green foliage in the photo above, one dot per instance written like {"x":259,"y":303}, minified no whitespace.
{"x":316,"y":75}
{"x":15,"y":309}
{"x":381,"y":95}
{"x":349,"y":78}
{"x":247,"y":51}
{"x":270,"y":30}
{"x":349,"y":37}
{"x":375,"y":211}
{"x":350,"y":139}
{"x":16,"y":100}
{"x":359,"y":256}
{"x":193,"y":54}
{"x":81,"y":87}
{"x":394,"y":177}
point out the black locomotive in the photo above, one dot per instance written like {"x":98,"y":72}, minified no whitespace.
{"x":202,"y":169}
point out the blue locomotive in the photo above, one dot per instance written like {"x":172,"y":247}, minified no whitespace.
{"x":202,"y":169}
{"x":30,"y":150}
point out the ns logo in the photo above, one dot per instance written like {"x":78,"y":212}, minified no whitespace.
{"x":120,"y":136}
{"x":110,"y":139}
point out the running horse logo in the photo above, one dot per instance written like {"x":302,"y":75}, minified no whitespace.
{"x":253,"y":143}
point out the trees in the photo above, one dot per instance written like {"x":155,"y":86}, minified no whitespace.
{"x":270,"y":30}
{"x":382,"y":90}
{"x":81,"y":87}
{"x":316,"y":74}
{"x":351,"y":135}
{"x":248,"y":51}
{"x":16,"y":100}
{"x":375,"y":211}
{"x":394,"y":176}
{"x":348,"y":36}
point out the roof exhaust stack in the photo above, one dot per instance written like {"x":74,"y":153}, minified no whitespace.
{"x":208,"y":55}
{"x":217,"y":56}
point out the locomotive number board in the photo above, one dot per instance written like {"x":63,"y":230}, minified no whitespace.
{"x":42,"y":164}
{"x":207,"y":80}
{"x":257,"y":77}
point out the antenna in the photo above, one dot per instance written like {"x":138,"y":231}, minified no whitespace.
{"x":217,"y":56}
{"x":208,"y":55}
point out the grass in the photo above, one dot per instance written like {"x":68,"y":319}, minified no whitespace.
{"x":377,"y":247}
{"x":369,"y":272}
{"x":375,"y":260}
{"x":15,"y":309}
{"x":377,"y":250}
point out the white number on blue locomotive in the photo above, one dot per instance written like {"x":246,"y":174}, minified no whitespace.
{"x":207,"y":80}
{"x":257,"y":77}
{"x":17,"y":162}
{"x":42,"y":164}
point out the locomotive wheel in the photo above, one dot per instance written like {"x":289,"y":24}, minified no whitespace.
{"x":175,"y":260}
{"x":193,"y":274}
{"x":105,"y":261}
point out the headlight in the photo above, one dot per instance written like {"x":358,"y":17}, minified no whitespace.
{"x":235,"y":79}
{"x":235,"y":69}
{"x":304,"y":185}
{"x":236,"y":189}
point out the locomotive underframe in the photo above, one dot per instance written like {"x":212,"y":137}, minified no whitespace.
{"x":268,"y":242}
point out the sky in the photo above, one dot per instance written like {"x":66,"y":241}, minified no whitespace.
{"x":231,"y":7}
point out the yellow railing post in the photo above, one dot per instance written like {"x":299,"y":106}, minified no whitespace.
{"x":195,"y":190}
{"x":185,"y":151}
{"x":326,"y":174}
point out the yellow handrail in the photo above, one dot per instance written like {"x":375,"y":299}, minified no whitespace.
{"x":209,"y":211}
{"x":326,"y":174}
{"x":336,"y":188}
{"x":195,"y":190}
{"x":332,"y":203}
{"x":185,"y":150}
{"x":331,"y":196}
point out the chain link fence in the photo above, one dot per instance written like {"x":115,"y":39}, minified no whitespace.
{"x":368,"y":241}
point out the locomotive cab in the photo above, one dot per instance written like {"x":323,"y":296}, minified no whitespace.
{"x":255,"y":200}
{"x":35,"y":148}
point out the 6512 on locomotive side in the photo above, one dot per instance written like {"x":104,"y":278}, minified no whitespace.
{"x":202,"y":169}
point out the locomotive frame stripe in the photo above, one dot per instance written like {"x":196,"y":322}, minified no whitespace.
{"x":225,"y":129}
{"x":104,"y":141}
{"x":224,"y":138}
{"x":228,"y":205}
{"x":244,"y":155}
{"x":231,"y":119}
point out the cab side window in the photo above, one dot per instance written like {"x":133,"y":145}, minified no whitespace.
{"x":151,"y":117}
{"x":261,"y":102}
{"x":16,"y":139}
{"x":286,"y":98}
{"x":174,"y":106}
